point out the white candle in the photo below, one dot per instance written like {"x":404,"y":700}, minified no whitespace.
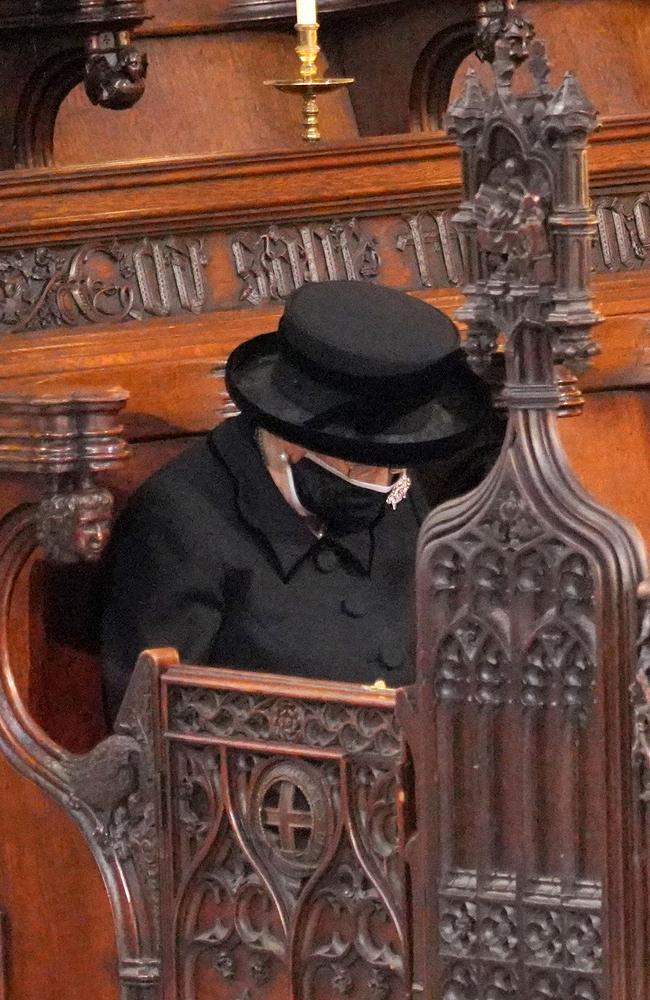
{"x":306,"y":11}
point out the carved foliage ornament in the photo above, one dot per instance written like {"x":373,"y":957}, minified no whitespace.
{"x":316,"y":724}
{"x":640,"y":691}
{"x":111,"y":792}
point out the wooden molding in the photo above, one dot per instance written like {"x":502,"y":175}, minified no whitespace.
{"x":61,"y":13}
{"x":173,"y":366}
{"x":86,"y":241}
{"x":216,"y":192}
{"x":209,"y":16}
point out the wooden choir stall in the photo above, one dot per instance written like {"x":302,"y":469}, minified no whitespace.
{"x":483,"y":834}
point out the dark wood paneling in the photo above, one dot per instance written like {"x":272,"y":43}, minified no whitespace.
{"x":593,"y":38}
{"x":173,"y":17}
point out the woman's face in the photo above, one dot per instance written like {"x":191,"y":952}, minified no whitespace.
{"x":331,"y":489}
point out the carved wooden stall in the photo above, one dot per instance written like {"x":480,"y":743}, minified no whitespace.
{"x":144,"y":275}
{"x":531,"y":841}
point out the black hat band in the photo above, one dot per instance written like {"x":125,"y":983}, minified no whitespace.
{"x":409,"y":384}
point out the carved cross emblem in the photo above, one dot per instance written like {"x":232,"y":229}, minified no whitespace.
{"x":288,"y":817}
{"x":292,"y":815}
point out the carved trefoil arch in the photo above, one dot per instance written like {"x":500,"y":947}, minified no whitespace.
{"x":527,"y":851}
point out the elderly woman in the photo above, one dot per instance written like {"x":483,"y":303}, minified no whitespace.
{"x":285,"y":540}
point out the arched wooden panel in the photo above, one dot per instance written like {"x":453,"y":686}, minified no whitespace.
{"x":209,"y":91}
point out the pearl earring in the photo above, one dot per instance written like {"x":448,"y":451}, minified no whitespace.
{"x":284,"y":457}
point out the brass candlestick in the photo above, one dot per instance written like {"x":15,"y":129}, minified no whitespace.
{"x":310,"y":84}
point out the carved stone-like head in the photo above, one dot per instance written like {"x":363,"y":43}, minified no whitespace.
{"x":116,"y":79}
{"x":518,"y":35}
{"x":75,"y":527}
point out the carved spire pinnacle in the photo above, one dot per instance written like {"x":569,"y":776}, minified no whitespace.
{"x":570,"y":110}
{"x":468,"y":112}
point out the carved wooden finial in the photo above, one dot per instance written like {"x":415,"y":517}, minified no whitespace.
{"x":467,"y":114}
{"x":526,"y":226}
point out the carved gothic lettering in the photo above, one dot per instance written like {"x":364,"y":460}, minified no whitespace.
{"x":436,"y":247}
{"x":641,"y":212}
{"x":153,"y":282}
{"x":187,"y":260}
{"x":274,"y":263}
{"x":101,"y":283}
{"x":249,"y":268}
{"x":95,"y":298}
{"x":618,"y":232}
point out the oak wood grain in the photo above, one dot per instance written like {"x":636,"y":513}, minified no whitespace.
{"x":348,"y":177}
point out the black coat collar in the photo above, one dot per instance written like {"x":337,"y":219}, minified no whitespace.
{"x":263,"y":507}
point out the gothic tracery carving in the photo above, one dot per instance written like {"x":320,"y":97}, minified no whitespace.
{"x":285,"y":866}
{"x":524,"y":589}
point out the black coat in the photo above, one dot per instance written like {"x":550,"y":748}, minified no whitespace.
{"x":209,"y":558}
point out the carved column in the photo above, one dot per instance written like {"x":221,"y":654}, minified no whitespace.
{"x":527,"y":851}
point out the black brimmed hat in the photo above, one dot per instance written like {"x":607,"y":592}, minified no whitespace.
{"x":360,"y":372}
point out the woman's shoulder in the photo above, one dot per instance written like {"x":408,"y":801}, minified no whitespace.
{"x":193,"y":485}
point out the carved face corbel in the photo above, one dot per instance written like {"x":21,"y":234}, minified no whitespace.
{"x":68,"y":439}
{"x":75,"y":526}
{"x":115,"y":70}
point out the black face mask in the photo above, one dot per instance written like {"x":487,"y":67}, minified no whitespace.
{"x":340,"y":505}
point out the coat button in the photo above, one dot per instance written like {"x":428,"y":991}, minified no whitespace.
{"x":391,"y":653}
{"x":326,"y":560}
{"x":354,"y":605}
